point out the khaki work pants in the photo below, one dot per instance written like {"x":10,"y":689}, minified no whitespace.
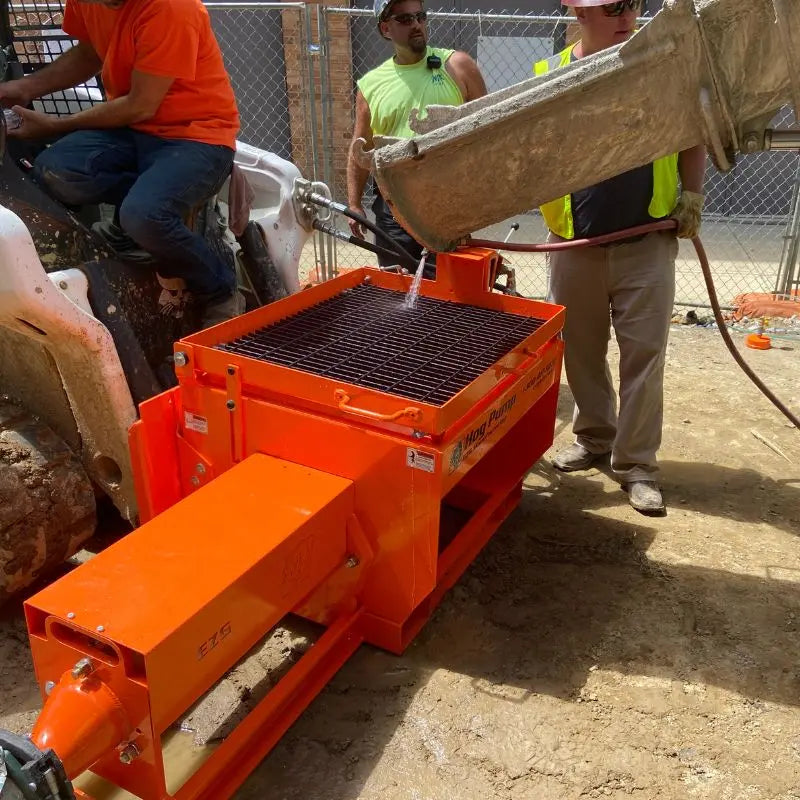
{"x":631,"y":286}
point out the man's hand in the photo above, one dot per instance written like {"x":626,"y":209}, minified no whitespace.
{"x":356,"y":227}
{"x":34,"y":125}
{"x":15,"y":93}
{"x":357,"y":175}
{"x":688,"y":213}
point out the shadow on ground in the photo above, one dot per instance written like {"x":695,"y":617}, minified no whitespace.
{"x":557,"y":593}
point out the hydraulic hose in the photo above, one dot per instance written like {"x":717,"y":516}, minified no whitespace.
{"x":397,"y":250}
{"x":548,"y":247}
{"x":723,"y":329}
{"x":331,"y":230}
{"x":639,"y":230}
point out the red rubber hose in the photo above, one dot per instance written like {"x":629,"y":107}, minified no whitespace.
{"x":639,"y":230}
{"x":547,"y":247}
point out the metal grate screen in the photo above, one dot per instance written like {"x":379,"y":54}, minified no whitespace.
{"x":366,"y":337}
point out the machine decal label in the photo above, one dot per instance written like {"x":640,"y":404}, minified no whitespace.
{"x":497,"y":416}
{"x":417,"y":459}
{"x":456,"y":456}
{"x":545,"y":374}
{"x":173,"y":298}
{"x":216,"y":638}
{"x":474,"y":437}
{"x":194,"y":422}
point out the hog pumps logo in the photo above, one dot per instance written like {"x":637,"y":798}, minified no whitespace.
{"x":456,"y":456}
{"x":497,"y":416}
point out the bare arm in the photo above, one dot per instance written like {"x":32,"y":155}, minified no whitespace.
{"x":692,"y":168}
{"x":464,"y":71}
{"x":141,"y":103}
{"x":357,"y":176}
{"x":77,"y":65}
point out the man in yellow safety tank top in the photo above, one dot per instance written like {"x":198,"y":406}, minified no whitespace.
{"x":415,"y":77}
{"x":630,"y":284}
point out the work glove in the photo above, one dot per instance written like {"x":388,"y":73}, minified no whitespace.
{"x":688,"y":213}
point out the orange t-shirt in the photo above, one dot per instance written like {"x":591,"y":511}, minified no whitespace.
{"x":170,"y":38}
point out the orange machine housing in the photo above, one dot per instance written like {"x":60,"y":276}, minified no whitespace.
{"x":267,"y":488}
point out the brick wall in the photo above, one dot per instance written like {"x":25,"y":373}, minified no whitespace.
{"x":340,"y":82}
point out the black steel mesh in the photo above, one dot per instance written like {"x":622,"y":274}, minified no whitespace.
{"x":366,"y":337}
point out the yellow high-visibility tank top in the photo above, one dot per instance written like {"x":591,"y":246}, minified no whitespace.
{"x":393,"y":90}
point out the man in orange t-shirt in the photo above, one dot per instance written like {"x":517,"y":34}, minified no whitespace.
{"x":163,"y":142}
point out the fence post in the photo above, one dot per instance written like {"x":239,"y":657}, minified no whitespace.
{"x":786,"y":277}
{"x":327,"y":122}
{"x":312,"y":52}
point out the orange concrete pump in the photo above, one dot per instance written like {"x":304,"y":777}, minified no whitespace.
{"x":334,"y":455}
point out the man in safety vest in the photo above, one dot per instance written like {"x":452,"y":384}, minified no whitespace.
{"x":415,"y":77}
{"x":630,"y":284}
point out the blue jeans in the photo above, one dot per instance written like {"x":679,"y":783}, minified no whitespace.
{"x":154,"y":183}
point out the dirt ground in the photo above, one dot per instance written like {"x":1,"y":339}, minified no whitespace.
{"x":589,"y":651}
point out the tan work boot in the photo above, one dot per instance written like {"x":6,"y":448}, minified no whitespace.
{"x":645,"y":496}
{"x":223,"y":310}
{"x":576,"y":457}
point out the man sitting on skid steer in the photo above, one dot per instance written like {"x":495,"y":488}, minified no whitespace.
{"x":163,"y":143}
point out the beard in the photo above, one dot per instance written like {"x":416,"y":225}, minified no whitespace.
{"x":418,"y":44}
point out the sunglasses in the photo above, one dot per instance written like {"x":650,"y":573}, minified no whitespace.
{"x":408,"y":19}
{"x":617,"y":9}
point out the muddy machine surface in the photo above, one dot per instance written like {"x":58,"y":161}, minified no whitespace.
{"x":86,"y":333}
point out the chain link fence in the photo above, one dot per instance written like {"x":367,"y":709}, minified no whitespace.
{"x":271,"y":53}
{"x":747,"y":214}
{"x":265,"y":48}
{"x":294,"y":66}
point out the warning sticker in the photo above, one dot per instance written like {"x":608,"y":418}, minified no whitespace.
{"x":417,"y":459}
{"x":193,"y":422}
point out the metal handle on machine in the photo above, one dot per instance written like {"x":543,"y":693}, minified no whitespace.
{"x":782,"y":139}
{"x":341,"y":397}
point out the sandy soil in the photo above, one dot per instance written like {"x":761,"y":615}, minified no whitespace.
{"x":589,"y":651}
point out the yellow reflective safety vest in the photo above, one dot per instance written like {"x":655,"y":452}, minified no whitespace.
{"x":558,"y":213}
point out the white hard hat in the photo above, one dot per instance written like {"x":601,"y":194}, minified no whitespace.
{"x":584,"y":3}
{"x":381,"y":6}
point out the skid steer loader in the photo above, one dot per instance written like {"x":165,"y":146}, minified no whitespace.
{"x":86,"y":335}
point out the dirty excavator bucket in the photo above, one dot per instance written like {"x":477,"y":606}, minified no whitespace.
{"x":709,"y":71}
